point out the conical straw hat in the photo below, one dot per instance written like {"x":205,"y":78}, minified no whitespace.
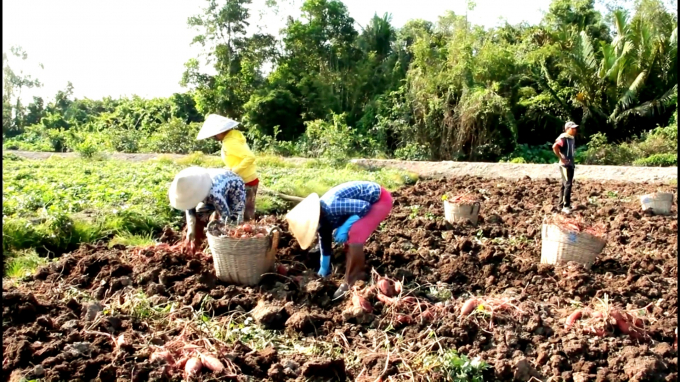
{"x":303,"y":220}
{"x":189,"y":188}
{"x":214,"y":125}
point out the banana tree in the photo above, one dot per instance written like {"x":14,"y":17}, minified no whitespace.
{"x":612,"y":80}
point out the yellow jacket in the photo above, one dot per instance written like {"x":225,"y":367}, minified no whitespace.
{"x":237,"y":156}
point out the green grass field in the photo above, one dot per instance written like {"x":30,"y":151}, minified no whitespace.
{"x":52,"y":206}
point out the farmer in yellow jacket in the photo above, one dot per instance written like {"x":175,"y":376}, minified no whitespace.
{"x":236,"y":155}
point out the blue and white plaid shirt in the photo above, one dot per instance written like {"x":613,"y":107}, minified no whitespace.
{"x":227,"y":195}
{"x":341,"y":202}
{"x":347,"y":199}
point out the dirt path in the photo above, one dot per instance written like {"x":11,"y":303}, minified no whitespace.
{"x":534,"y":171}
{"x":449,"y":168}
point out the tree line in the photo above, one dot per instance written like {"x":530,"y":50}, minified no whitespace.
{"x":445,"y":90}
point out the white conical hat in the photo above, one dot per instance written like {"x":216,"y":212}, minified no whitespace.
{"x":190,"y":187}
{"x":303,"y":220}
{"x":214,"y":125}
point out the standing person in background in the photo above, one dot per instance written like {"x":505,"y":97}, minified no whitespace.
{"x":564,"y":148}
{"x":236,"y":155}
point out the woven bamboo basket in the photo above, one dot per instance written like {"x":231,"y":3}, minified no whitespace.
{"x":243,"y":261}
{"x":560,"y":246}
{"x":659,"y":203}
{"x":461,"y":212}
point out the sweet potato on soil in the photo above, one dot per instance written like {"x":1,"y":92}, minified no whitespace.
{"x":404,"y":319}
{"x":386,"y":287}
{"x":576,"y":315}
{"x":282,"y":270}
{"x":360,"y":302}
{"x":621,"y":321}
{"x":469,"y":306}
{"x":212,"y":363}
{"x":193,"y":367}
{"x":386,"y":300}
{"x":182,"y":362}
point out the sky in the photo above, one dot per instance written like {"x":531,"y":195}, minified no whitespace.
{"x":139,"y":47}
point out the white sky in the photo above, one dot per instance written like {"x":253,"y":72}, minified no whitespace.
{"x":126,"y":47}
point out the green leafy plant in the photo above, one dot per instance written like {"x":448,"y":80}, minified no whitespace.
{"x":333,"y":140}
{"x":658,"y":160}
{"x":412,"y":151}
{"x":457,"y":367}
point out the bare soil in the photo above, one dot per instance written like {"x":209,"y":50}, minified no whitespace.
{"x":53,"y":328}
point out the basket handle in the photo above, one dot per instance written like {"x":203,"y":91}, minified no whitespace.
{"x":274,"y":233}
{"x":210,"y":225}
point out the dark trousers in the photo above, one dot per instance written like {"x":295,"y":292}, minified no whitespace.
{"x":567,"y":181}
{"x":251,"y":193}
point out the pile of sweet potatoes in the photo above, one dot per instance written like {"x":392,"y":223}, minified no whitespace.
{"x":602,"y":322}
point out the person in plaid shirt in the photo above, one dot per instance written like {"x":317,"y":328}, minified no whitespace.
{"x":353,"y":210}
{"x":202,"y":192}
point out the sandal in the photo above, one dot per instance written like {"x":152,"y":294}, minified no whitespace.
{"x":342,"y":290}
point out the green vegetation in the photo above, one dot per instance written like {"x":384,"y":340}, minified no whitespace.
{"x":25,"y":263}
{"x":130,"y":240}
{"x":456,"y":367}
{"x":53,"y":205}
{"x":445,"y":90}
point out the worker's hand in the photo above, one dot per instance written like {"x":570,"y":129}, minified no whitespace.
{"x":325,"y":266}
{"x":191,"y":246}
{"x":342,"y":233}
{"x":190,"y":240}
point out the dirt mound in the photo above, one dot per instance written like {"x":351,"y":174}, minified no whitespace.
{"x":102,"y":313}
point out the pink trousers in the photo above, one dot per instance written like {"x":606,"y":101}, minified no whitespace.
{"x":364,"y":227}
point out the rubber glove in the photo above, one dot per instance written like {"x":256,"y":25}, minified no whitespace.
{"x":342,"y":232}
{"x":325,"y":266}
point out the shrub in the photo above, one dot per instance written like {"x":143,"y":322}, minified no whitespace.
{"x":518,"y":160}
{"x":412,"y":151}
{"x":600,"y":152}
{"x":270,"y":144}
{"x":324,"y":139}
{"x":38,"y":138}
{"x":11,"y":157}
{"x":524,"y":153}
{"x":658,"y":160}
{"x":176,"y":136}
{"x":88,"y":147}
{"x":124,"y":140}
